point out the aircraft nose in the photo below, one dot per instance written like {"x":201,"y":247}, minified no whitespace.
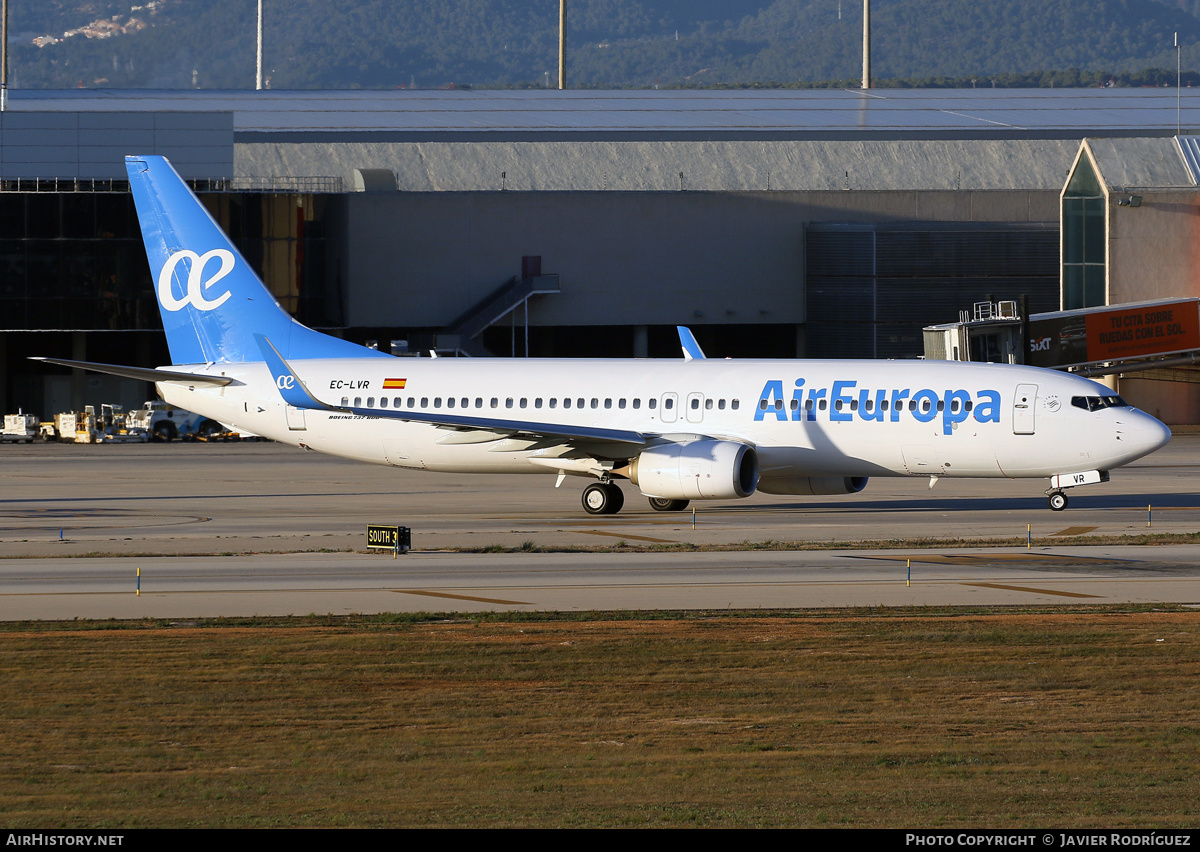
{"x":1143,"y":434}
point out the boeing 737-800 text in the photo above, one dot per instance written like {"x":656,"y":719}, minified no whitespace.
{"x":679,"y":430}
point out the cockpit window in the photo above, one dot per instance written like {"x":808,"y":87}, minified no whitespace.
{"x":1095,"y":403}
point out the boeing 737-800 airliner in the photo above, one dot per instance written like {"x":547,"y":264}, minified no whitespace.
{"x":679,"y":430}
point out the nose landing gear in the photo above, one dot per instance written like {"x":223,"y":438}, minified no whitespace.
{"x":1055,"y":496}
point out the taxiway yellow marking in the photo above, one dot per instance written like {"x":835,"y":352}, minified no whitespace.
{"x":626,"y":535}
{"x":1033,"y":591}
{"x":1075,"y":531}
{"x":459,"y":597}
{"x":968,"y":559}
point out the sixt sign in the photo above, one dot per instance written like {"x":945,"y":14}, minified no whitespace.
{"x":845,"y":401}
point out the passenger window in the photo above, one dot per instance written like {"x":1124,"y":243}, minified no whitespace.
{"x":437,"y":402}
{"x":508,"y":402}
{"x":621,"y":402}
{"x":651,"y":403}
{"x":537,"y":403}
{"x":412,"y":401}
{"x":608,"y":403}
{"x":567,"y":402}
{"x":495,"y":402}
{"x":553,"y":402}
{"x":358,"y":402}
{"x":524,"y":402}
{"x":370,"y":402}
{"x":637,"y":403}
{"x":479,"y":402}
{"x":669,"y":403}
{"x":450,"y":402}
{"x":734,"y":405}
{"x":345,"y":402}
{"x":696,"y":404}
{"x":579,"y":402}
{"x":465,"y":402}
{"x":595,"y":402}
{"x":424,"y":402}
{"x":721,"y":404}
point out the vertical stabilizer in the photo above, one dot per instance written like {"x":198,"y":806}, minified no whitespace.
{"x":212,"y":303}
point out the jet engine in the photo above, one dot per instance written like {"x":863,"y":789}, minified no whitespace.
{"x":812,"y":484}
{"x":696,"y":470}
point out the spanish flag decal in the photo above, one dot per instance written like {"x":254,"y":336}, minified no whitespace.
{"x":394,"y":384}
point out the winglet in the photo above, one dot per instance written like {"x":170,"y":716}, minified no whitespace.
{"x":691,"y":349}
{"x":290,"y":387}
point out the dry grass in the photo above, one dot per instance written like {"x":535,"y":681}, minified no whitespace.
{"x":1135,"y":540}
{"x":922,"y":719}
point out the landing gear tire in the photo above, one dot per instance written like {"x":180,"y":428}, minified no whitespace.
{"x":664,"y":504}
{"x":1057,"y":501}
{"x":603,"y":498}
{"x":164,"y":432}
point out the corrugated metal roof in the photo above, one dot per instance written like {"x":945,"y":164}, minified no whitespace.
{"x":1141,"y":163}
{"x":826,"y":113}
{"x":1189,"y":150}
{"x":725,"y":166}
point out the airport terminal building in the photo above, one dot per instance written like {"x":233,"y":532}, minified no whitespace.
{"x":591,"y":223}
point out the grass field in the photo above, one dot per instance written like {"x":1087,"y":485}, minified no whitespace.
{"x":1050,"y":718}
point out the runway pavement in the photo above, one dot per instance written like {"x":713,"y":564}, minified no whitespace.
{"x":291,"y":522}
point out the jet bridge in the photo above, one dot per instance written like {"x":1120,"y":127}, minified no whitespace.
{"x":1122,"y":338}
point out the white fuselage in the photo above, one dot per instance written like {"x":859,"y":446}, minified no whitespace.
{"x":804,"y":418}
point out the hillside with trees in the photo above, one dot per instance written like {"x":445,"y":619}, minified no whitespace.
{"x":336,"y":44}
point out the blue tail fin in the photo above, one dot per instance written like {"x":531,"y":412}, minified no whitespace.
{"x":212,"y":302}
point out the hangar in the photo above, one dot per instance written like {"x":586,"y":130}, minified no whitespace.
{"x":775,"y":223}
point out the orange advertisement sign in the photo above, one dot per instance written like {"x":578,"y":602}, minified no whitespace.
{"x":1143,"y":331}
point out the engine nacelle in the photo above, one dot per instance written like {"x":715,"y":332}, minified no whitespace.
{"x":812,"y":484}
{"x":696,"y":470}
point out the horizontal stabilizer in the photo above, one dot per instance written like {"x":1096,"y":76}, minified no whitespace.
{"x":146,"y":374}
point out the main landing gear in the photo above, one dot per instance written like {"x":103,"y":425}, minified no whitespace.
{"x":603,"y":498}
{"x":665,"y":504}
{"x":1057,"y":501}
{"x":606,"y":498}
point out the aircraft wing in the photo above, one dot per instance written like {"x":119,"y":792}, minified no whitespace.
{"x":294,"y":392}
{"x":557,"y":431}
